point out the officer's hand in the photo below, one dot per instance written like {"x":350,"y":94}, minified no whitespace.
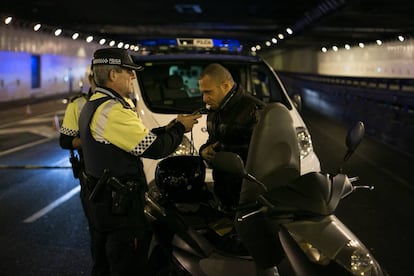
{"x":208,"y":153}
{"x":188,"y":121}
{"x":76,"y":143}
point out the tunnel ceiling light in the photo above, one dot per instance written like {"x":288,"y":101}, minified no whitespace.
{"x":37,"y":27}
{"x":58,"y":32}
{"x":274,"y":40}
{"x":347,"y":47}
{"x":8,"y":20}
{"x":361,"y":45}
{"x":112,"y":43}
{"x":401,"y":38}
{"x":280,"y":36}
{"x":268,"y":43}
{"x":324,"y":49}
{"x":335,"y":48}
{"x":126,"y":46}
{"x":379,"y":42}
{"x":289,"y":31}
{"x":120,"y":44}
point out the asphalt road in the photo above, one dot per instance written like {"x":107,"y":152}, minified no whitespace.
{"x":44,"y":232}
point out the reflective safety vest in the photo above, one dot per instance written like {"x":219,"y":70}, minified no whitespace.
{"x":113,"y":137}
{"x":70,"y":120}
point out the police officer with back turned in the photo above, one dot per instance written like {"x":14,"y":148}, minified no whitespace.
{"x":113,"y":140}
{"x":69,"y":138}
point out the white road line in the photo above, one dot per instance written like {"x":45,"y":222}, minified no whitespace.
{"x":25,"y":146}
{"x":52,"y":205}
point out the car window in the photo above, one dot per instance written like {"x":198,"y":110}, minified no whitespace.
{"x":171,"y":87}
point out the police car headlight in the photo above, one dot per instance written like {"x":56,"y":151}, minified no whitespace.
{"x":185,"y":148}
{"x":304,"y":142}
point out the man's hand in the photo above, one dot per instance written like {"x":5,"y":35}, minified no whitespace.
{"x":188,"y":121}
{"x":209,"y":152}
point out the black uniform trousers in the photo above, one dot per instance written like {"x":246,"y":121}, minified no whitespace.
{"x":119,"y":243}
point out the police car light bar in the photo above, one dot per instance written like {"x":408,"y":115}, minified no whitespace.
{"x":227,"y":45}
{"x":195,"y":42}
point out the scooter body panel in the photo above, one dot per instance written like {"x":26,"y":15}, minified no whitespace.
{"x":328,"y":234}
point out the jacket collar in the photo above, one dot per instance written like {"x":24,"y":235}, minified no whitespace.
{"x":234,"y":90}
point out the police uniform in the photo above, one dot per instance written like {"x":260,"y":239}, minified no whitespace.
{"x":113,"y":141}
{"x":69,"y":131}
{"x":70,"y":120}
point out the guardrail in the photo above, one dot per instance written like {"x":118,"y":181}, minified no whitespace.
{"x":386,"y":106}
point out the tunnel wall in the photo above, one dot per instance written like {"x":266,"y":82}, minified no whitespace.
{"x":389,"y":60}
{"x":62,"y":63}
{"x":385,"y":105}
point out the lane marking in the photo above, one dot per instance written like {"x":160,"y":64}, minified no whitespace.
{"x":25,"y":146}
{"x":52,"y":205}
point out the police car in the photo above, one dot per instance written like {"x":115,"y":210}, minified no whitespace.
{"x":169,"y":86}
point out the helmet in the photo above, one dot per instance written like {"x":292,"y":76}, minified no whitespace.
{"x":180,"y":179}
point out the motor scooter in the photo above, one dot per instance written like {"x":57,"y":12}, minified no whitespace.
{"x":193,"y":237}
{"x":299,"y":208}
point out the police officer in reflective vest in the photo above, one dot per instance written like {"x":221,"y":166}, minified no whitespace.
{"x":113,"y":141}
{"x":70,"y":140}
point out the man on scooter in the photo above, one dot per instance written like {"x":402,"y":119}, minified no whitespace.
{"x":233,"y":114}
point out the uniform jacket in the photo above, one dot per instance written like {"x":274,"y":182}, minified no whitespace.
{"x":70,"y":129}
{"x":233,"y":122}
{"x":120,"y":138}
{"x":232,"y":125}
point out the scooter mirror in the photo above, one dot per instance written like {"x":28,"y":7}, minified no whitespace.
{"x":229,"y":162}
{"x":353,"y":139}
{"x":355,"y":135}
{"x":297,"y":101}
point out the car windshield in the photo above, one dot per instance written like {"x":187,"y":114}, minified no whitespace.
{"x":172,"y":86}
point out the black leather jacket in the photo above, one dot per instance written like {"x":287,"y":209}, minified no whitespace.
{"x":232,"y":125}
{"x":233,"y":122}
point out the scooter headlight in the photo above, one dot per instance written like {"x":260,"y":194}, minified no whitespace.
{"x":304,"y":142}
{"x":357,"y":260}
{"x":353,"y":257}
{"x":314,"y":254}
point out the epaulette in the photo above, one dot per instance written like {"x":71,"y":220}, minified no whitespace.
{"x":78,"y":96}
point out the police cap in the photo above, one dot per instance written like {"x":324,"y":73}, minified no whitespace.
{"x":114,"y":56}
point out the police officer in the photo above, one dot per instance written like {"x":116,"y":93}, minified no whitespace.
{"x":113,"y":140}
{"x":70,"y":140}
{"x":230,"y":122}
{"x":69,"y":131}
